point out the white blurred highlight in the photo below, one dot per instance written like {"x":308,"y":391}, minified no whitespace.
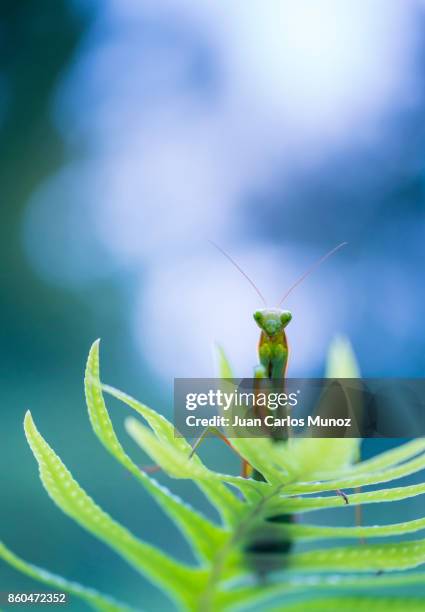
{"x":287,"y":84}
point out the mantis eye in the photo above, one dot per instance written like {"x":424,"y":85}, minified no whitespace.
{"x":258,"y":317}
{"x":285,"y":317}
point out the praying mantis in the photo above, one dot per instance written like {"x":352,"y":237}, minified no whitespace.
{"x":273,"y":355}
{"x":273,"y":349}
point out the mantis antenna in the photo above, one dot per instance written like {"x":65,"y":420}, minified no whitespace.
{"x":311,"y":269}
{"x":237,"y":266}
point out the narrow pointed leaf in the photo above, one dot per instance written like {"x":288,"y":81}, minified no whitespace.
{"x":341,"y":361}
{"x":223,"y":367}
{"x":96,"y":600}
{"x":204,"y":536}
{"x":315,"y":532}
{"x":335,"y":454}
{"x":306,"y":584}
{"x":179,"y":580}
{"x":224,"y":500}
{"x":356,"y":604}
{"x":306,"y":504}
{"x":360,"y":480}
{"x":391,"y":457}
{"x":277,"y":469}
{"x":366,"y":558}
{"x":177,"y":465}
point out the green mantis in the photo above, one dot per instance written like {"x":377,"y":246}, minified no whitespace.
{"x":273,"y":356}
{"x":273,"y":350}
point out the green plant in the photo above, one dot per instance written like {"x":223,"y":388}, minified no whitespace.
{"x":348,"y":577}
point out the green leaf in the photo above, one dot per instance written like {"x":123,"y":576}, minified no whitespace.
{"x":391,"y":457}
{"x":228,"y":573}
{"x":96,"y":600}
{"x":356,"y":604}
{"x":306,"y":504}
{"x":304,"y":531}
{"x":308,"y":584}
{"x":273,"y":461}
{"x":366,"y":558}
{"x":204,"y":536}
{"x":223,"y":367}
{"x":360,"y":480}
{"x":226,"y":503}
{"x":163,"y":429}
{"x":335,"y":454}
{"x":179,"y":465}
{"x":341,"y":361}
{"x":180,"y":581}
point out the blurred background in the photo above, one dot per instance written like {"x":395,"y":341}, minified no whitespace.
{"x":131,"y":132}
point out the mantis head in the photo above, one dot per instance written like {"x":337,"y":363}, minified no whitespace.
{"x":272,"y":320}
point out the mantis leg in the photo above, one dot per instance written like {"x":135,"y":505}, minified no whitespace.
{"x":219,"y":434}
{"x":264,"y":353}
{"x":152,"y":469}
{"x":279,"y":360}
